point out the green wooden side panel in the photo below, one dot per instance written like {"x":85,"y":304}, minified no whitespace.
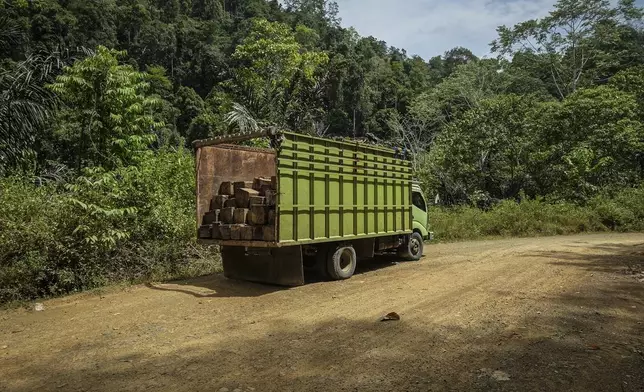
{"x":331,"y":190}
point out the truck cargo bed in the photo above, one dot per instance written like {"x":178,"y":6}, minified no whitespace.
{"x":327,"y":190}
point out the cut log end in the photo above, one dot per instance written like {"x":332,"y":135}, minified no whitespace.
{"x":224,"y":232}
{"x":227,"y":188}
{"x":244,"y":195}
{"x":258,"y":215}
{"x":257,"y":201}
{"x":211,"y":217}
{"x":260,"y":182}
{"x":205,"y":232}
{"x":269,"y":233}
{"x":247,"y":233}
{"x":258,"y":233}
{"x":265,"y":189}
{"x":227,"y":215}
{"x":215,"y":233}
{"x":218,"y":202}
{"x":235,"y":232}
{"x":240,"y":215}
{"x":242,"y":184}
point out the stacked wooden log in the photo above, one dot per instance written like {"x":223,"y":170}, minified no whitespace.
{"x":242,"y":211}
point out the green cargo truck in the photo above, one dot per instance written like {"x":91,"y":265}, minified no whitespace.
{"x":335,"y":202}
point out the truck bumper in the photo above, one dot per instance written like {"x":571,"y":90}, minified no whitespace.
{"x":430,"y":236}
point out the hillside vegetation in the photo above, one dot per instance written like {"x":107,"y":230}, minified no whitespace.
{"x":100,"y":101}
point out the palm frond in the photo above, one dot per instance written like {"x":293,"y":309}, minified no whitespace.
{"x":242,"y":119}
{"x":10,"y":33}
{"x":25,"y":106}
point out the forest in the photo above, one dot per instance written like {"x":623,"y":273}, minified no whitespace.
{"x":100,"y":101}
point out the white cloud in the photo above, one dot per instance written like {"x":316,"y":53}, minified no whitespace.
{"x":430,"y":27}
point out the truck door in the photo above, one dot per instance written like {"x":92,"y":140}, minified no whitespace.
{"x":419,"y":212}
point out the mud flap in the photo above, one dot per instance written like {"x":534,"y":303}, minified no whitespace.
{"x":278,"y":266}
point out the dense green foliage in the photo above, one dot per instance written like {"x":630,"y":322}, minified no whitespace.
{"x":130,"y":224}
{"x":622,"y":212}
{"x":99,"y":101}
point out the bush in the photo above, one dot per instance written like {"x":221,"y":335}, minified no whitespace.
{"x":623,"y":211}
{"x":132,"y":224}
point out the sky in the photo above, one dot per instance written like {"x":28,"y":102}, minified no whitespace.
{"x":430,"y":27}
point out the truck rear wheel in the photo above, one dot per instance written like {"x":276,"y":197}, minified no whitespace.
{"x":413,"y":249}
{"x":341,"y":263}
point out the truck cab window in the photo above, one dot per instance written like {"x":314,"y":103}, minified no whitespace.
{"x":418,"y":201}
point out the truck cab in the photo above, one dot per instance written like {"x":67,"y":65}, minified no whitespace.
{"x":420,"y":212}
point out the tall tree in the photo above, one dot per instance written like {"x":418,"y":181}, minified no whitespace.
{"x":569,"y":39}
{"x":107,"y":115}
{"x":276,"y":76}
{"x":601,"y":146}
{"x":462,"y":91}
{"x":315,"y":13}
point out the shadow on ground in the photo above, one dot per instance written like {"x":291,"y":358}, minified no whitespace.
{"x":217,"y":286}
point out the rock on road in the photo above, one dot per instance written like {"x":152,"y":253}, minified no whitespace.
{"x":539,"y":314}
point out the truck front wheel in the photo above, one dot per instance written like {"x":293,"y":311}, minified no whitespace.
{"x":341,"y":263}
{"x":413,"y":249}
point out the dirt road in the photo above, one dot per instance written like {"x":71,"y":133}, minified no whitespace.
{"x":546,"y":314}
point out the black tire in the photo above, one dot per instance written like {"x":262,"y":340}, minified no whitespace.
{"x":341,"y":263}
{"x":413,"y":249}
